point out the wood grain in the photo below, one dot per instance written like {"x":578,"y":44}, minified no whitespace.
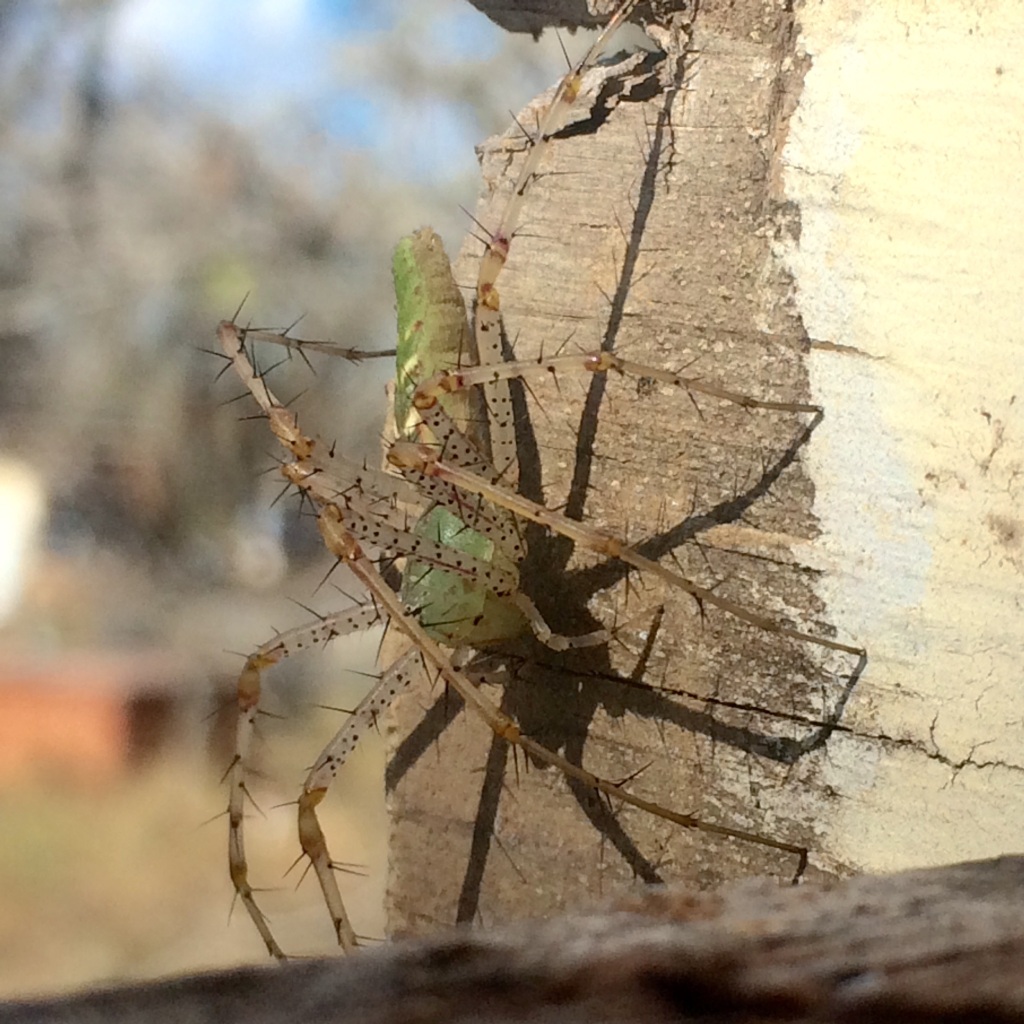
{"x":940,"y":945}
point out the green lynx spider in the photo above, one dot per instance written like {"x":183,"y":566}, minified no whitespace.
{"x":447,"y":469}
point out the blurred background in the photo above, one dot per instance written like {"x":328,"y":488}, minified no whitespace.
{"x":161,"y":161}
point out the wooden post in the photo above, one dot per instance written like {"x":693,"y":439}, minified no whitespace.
{"x":930,"y":946}
{"x":825,"y":208}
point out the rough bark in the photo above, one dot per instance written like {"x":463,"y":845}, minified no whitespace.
{"x":927,"y":946}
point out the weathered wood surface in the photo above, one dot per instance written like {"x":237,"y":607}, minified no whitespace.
{"x":668,"y":226}
{"x":651,"y":233}
{"x":927,"y":946}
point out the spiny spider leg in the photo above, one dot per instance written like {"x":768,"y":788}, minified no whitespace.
{"x":429,"y":391}
{"x":330,"y":348}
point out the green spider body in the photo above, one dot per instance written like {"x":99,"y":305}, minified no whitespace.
{"x":434,"y":336}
